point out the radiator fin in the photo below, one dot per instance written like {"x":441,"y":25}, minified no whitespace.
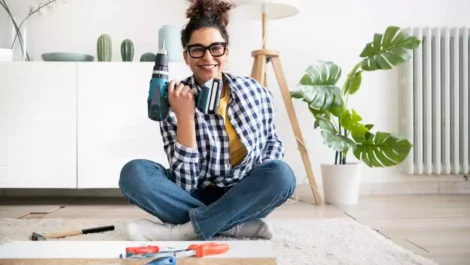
{"x":435,"y":97}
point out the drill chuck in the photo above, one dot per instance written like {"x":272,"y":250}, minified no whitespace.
{"x":160,"y":69}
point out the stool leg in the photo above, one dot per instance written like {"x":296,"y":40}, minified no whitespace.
{"x":295,"y":126}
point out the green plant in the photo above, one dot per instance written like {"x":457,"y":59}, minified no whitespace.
{"x":342,"y":129}
{"x":127,"y":50}
{"x":104,"y":48}
{"x":17,"y":27}
{"x":148,"y":57}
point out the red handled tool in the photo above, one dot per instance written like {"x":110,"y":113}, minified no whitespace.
{"x":194,"y":250}
{"x":202,"y":250}
{"x":141,"y":251}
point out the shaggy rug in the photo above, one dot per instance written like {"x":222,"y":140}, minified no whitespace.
{"x":312,"y":241}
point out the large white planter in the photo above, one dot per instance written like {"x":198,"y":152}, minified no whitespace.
{"x":341,"y":183}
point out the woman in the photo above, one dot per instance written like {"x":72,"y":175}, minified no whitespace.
{"x":225,"y":174}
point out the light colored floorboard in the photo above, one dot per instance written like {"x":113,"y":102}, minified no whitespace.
{"x":18,"y":211}
{"x":409,"y":206}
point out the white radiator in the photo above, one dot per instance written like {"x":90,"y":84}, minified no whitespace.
{"x":434,"y":97}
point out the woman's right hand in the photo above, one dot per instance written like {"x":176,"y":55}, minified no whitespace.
{"x":181,"y":99}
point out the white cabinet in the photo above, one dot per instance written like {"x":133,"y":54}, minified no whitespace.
{"x":113,"y":127}
{"x":38,"y":118}
{"x":75,"y":125}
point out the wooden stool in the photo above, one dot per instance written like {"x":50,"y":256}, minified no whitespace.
{"x":261,"y":58}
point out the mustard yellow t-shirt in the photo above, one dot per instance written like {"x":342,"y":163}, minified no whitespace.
{"x":237,"y":149}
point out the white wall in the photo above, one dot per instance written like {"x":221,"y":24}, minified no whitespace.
{"x":334,"y":30}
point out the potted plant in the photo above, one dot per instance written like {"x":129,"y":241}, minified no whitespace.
{"x":341,"y":128}
{"x":18,"y":27}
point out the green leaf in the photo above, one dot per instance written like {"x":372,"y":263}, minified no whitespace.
{"x":316,"y":113}
{"x":318,"y":88}
{"x":321,"y":73}
{"x":382,"y":150}
{"x":351,"y":121}
{"x":331,"y":137}
{"x":353,"y":83}
{"x":388,"y":50}
{"x":296,"y":94}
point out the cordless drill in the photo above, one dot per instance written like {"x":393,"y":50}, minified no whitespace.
{"x":207,"y":98}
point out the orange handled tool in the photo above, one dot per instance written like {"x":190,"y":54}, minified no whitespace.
{"x":194,"y":250}
{"x":206,"y":249}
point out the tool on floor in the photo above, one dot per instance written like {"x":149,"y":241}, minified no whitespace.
{"x":143,"y":250}
{"x":162,"y":261}
{"x":38,"y":237}
{"x":207,"y":99}
{"x":194,"y":250}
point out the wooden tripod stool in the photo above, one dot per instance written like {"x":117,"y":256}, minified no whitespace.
{"x":261,"y":58}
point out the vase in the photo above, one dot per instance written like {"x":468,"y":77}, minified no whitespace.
{"x":6,"y":55}
{"x":18,"y":31}
{"x":169,"y":38}
{"x":341,"y":183}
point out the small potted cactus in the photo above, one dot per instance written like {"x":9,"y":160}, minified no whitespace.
{"x":127,"y":50}
{"x":104,"y":48}
{"x":148,"y":57}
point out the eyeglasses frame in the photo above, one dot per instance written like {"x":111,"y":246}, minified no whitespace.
{"x":206,"y":48}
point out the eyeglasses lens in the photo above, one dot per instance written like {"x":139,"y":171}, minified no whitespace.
{"x":215,"y":50}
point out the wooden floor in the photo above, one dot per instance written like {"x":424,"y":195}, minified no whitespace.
{"x":434,"y":226}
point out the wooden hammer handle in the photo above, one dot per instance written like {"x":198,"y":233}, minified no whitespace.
{"x":64,"y":234}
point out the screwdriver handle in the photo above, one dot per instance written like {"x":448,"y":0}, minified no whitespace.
{"x":210,"y":248}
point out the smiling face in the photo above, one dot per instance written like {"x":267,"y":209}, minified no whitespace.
{"x":206,"y":54}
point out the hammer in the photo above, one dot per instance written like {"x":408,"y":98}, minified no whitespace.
{"x":39,"y":237}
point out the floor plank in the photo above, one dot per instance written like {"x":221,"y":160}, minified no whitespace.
{"x":409,"y":206}
{"x":18,"y":211}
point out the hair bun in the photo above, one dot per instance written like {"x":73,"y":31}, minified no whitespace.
{"x":212,"y":9}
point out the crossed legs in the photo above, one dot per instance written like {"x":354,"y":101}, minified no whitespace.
{"x":238,"y":211}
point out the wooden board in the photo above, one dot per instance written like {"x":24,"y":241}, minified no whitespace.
{"x":108,"y":252}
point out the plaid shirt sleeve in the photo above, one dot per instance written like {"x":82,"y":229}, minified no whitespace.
{"x":274,"y":149}
{"x":183,"y":161}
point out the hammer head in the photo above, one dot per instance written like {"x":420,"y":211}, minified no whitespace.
{"x":37,"y":237}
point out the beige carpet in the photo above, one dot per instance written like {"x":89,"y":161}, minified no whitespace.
{"x":317,"y":241}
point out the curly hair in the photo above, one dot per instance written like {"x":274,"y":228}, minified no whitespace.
{"x":206,"y":13}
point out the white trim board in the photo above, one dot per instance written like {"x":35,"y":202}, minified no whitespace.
{"x":113,"y":249}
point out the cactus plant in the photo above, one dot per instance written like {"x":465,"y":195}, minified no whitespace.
{"x":104,"y":48}
{"x":148,"y":57}
{"x":127,"y":50}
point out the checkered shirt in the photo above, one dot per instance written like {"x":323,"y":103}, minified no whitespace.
{"x":251,"y":111}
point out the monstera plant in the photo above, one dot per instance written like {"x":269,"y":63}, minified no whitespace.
{"x":342,"y":129}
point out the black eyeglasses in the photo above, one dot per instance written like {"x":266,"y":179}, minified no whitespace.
{"x":216,"y":49}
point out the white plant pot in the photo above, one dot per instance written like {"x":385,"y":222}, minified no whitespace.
{"x":341,"y":183}
{"x":6,"y":55}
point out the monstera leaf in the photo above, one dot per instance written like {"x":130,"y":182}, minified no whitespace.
{"x":351,"y":121}
{"x":382,"y":149}
{"x":353,"y":83}
{"x":331,"y":137}
{"x":388,"y":50}
{"x":318,"y":88}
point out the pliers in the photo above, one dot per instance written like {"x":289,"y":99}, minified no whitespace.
{"x":168,"y":257}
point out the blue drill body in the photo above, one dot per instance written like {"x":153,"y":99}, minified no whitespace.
{"x":207,"y":99}
{"x":157,"y":101}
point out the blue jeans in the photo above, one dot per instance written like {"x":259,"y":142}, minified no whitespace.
{"x":148,"y":185}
